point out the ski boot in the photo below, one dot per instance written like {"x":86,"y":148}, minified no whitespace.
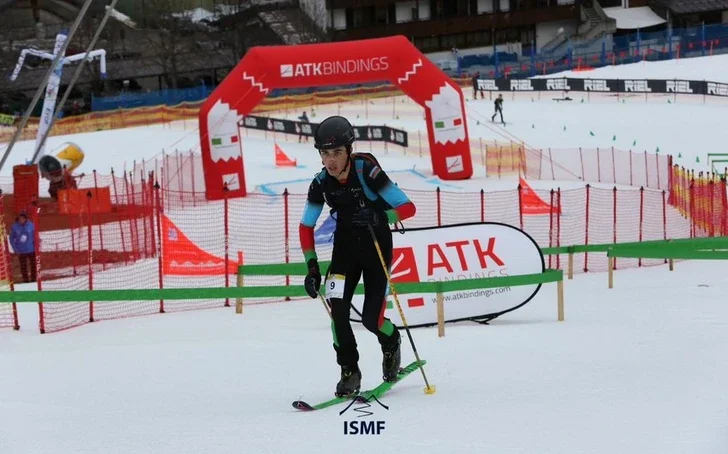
{"x":392,"y":358}
{"x":350,"y":382}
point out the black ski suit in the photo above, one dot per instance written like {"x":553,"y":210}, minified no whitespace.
{"x":498,"y":104}
{"x":354,"y":254}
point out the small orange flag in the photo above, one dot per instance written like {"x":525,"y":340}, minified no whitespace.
{"x":532,"y":203}
{"x":282,"y":160}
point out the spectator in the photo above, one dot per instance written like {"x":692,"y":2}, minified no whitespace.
{"x":22,"y":238}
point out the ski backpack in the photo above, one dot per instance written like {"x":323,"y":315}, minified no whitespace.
{"x":358,"y":159}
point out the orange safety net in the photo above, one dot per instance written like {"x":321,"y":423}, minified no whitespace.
{"x":96,"y":250}
{"x":504,"y":159}
{"x":8,"y":311}
{"x":607,"y":165}
{"x":176,"y":239}
{"x":702,"y":199}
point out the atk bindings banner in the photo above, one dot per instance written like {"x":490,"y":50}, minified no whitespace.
{"x":394,"y":59}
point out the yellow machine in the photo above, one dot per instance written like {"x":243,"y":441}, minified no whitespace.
{"x":68,"y":157}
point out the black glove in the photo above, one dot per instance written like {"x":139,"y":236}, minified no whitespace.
{"x":313,"y":279}
{"x":365,"y":217}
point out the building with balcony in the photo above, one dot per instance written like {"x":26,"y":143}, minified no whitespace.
{"x":440,"y":25}
{"x":519,"y":29}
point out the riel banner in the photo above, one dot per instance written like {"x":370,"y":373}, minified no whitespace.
{"x":263,"y":69}
{"x":451,"y":253}
{"x":607,"y":86}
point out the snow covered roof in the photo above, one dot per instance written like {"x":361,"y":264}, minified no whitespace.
{"x":692,"y":6}
{"x":631,"y":18}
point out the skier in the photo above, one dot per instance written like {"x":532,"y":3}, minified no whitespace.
{"x":475,"y":87}
{"x":304,"y":119}
{"x":498,"y":108}
{"x":347,"y":184}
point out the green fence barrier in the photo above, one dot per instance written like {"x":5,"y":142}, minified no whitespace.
{"x":716,"y":157}
{"x":693,"y":249}
{"x":717,"y":161}
{"x":714,"y":242}
{"x":715,"y":248}
{"x":675,"y":254}
{"x":51,"y":296}
{"x":300,"y":269}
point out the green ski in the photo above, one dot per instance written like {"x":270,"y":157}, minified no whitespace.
{"x":364,"y":395}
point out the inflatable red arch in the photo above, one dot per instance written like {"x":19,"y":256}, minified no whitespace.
{"x":313,"y":65}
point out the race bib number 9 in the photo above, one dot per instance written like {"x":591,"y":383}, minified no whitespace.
{"x":335,"y":286}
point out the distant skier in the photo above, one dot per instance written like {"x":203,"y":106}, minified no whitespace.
{"x":498,"y":108}
{"x":304,"y":119}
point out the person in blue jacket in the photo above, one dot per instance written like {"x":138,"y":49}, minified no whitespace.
{"x":22,"y":239}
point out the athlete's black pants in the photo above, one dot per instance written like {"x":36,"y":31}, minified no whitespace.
{"x":355,"y":256}
{"x":497,"y":111}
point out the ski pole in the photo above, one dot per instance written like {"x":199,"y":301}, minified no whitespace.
{"x":326,"y":306}
{"x":429,"y":389}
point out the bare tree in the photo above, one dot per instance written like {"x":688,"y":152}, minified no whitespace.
{"x":314,"y":20}
{"x":243,"y":26}
{"x":169,"y":37}
{"x":239,"y":28}
{"x":91,"y":73}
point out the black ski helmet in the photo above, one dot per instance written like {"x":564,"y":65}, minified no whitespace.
{"x":333,"y":132}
